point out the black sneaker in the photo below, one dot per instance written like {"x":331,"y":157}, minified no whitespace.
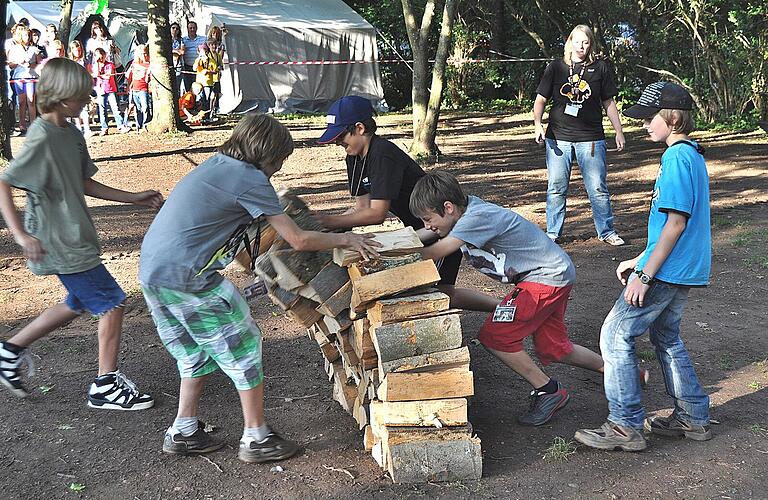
{"x":672,"y":426}
{"x":544,"y":406}
{"x":114,"y":391}
{"x":270,"y":449}
{"x":199,"y":442}
{"x":10,"y":367}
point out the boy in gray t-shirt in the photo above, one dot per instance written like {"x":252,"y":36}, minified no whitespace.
{"x":510,"y":249}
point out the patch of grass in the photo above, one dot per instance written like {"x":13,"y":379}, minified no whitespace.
{"x":77,"y":487}
{"x":762,"y":363}
{"x":560,"y":450}
{"x":755,"y":385}
{"x":64,"y":427}
{"x":45,"y":389}
{"x":751,"y":237}
{"x":646,"y":355}
{"x":757,"y":429}
{"x":726,"y":363}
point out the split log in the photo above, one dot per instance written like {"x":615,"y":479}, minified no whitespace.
{"x":368,"y":438}
{"x":392,"y":281}
{"x":419,"y":455}
{"x":265,"y":270}
{"x":454,"y":358}
{"x":296,"y":269}
{"x":417,"y":337}
{"x":397,"y":309}
{"x":343,"y":392}
{"x":327,"y":348}
{"x":338,"y":324}
{"x":326,"y":283}
{"x":366,"y":267}
{"x":303,"y":312}
{"x":434,"y":413}
{"x":399,"y":242}
{"x":284,"y":299}
{"x":363,"y":345}
{"x":443,"y":384}
{"x":338,"y":302}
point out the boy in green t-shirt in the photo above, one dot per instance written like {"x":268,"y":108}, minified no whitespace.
{"x":58,"y":236}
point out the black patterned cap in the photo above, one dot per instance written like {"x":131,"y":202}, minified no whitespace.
{"x":660,"y":95}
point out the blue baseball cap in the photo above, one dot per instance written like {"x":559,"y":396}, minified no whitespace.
{"x":345,"y":112}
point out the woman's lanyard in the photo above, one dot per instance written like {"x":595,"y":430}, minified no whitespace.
{"x":575,"y":90}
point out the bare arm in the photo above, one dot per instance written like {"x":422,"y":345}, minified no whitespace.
{"x":29,"y":244}
{"x":365,"y":212}
{"x":674,"y":227}
{"x":302,"y":240}
{"x":442,"y":248}
{"x":538,"y":114}
{"x":613,"y":114}
{"x":148,"y":198}
{"x":426,"y":236}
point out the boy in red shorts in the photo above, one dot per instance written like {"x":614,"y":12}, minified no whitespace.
{"x":507,"y":247}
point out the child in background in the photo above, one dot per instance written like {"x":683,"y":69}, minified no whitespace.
{"x":202,"y":319}
{"x":676,"y":258}
{"x":23,"y":58}
{"x":58,"y":236}
{"x":138,"y":75}
{"x":191,"y":105}
{"x":83,"y":122}
{"x":215,"y":56}
{"x":205,"y":69}
{"x":103,"y":73}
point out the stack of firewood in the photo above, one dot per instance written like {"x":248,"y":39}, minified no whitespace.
{"x":392,"y":348}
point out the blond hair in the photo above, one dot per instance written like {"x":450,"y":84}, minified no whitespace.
{"x":432,"y":191}
{"x":62,"y":79}
{"x":59,"y":47}
{"x":568,"y":49}
{"x":259,"y":140}
{"x":679,"y":120}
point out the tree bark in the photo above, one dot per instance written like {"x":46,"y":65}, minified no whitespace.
{"x":6,"y":111}
{"x":65,"y":22}
{"x":164,"y":85}
{"x":427,"y":102}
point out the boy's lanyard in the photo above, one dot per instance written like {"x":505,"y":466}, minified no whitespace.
{"x":575,"y":85}
{"x":360,"y":179}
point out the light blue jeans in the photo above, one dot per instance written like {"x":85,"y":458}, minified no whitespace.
{"x":661,"y":314}
{"x":591,"y":159}
{"x":111,"y":100}
{"x":140,"y":99}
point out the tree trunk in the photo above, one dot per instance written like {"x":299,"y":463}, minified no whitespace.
{"x":6,"y":111}
{"x":65,"y":22}
{"x":164,"y":87}
{"x":426,"y":103}
{"x":424,"y":137}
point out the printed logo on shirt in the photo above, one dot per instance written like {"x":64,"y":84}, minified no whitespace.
{"x":576,"y":89}
{"x":489,"y":263}
{"x":226,"y":253}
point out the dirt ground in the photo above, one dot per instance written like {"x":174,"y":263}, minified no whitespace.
{"x":53,"y":445}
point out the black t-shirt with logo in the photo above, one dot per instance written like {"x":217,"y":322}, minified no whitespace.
{"x":588,"y":91}
{"x":386,"y":173}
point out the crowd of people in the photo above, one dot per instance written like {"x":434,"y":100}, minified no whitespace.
{"x":206,"y":325}
{"x":197,"y":60}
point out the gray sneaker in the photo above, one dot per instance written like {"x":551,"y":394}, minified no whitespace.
{"x":270,"y":449}
{"x":544,"y":406}
{"x":10,"y":368}
{"x":672,"y":426}
{"x":612,"y":436}
{"x":199,"y":442}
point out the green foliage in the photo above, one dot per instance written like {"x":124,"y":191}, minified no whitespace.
{"x":76,"y":487}
{"x":560,"y":450}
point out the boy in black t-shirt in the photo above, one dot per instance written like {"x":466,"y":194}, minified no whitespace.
{"x":381,"y":178}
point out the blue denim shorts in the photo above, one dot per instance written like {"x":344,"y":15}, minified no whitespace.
{"x":95,"y":291}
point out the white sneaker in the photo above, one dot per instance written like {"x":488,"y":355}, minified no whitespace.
{"x":114,"y":391}
{"x":614,"y":240}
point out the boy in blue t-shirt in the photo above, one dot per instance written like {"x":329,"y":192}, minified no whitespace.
{"x":677,"y":257}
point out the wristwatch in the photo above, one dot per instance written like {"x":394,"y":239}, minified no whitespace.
{"x":644,"y":278}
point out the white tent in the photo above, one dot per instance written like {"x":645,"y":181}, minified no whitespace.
{"x":256,"y":30}
{"x":290,"y":31}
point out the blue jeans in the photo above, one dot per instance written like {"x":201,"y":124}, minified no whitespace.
{"x":661,"y":314}
{"x":109,"y":99}
{"x":591,"y":159}
{"x":94,"y":290}
{"x":141,"y":101}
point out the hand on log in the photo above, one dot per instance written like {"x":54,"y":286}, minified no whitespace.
{"x":364,"y":244}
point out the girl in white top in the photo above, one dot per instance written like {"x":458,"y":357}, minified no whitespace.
{"x":99,"y":40}
{"x":23,"y":58}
